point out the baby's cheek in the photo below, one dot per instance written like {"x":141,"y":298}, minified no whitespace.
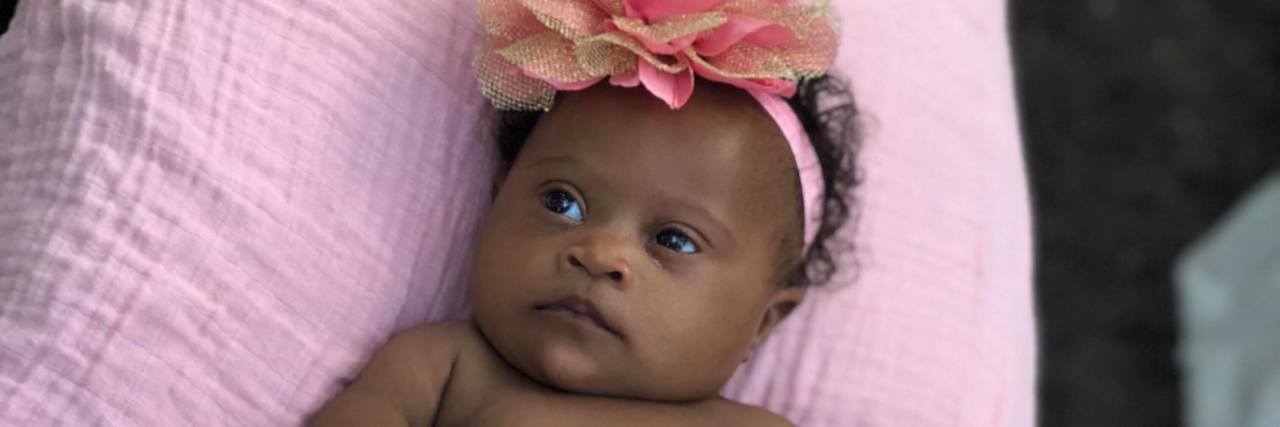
{"x":504,"y":258}
{"x":499,"y":283}
{"x":703,"y":346}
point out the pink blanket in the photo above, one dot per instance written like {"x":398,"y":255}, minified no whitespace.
{"x":210,"y":212}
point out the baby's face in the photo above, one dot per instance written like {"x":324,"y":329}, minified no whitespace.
{"x":635,"y":251}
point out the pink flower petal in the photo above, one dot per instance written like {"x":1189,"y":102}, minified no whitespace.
{"x":716,"y":41}
{"x":655,"y":10}
{"x":673,"y":89}
{"x":780,"y":87}
{"x":610,"y":7}
{"x":660,"y":48}
{"x":631,"y":79}
{"x":770,"y":36}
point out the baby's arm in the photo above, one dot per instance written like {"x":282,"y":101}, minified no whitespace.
{"x":402,"y":384}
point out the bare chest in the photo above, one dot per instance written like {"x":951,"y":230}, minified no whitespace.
{"x":485,"y":391}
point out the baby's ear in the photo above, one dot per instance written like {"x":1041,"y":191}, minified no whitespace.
{"x":783,"y":301}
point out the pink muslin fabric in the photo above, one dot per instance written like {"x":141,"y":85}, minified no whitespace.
{"x":211,"y":212}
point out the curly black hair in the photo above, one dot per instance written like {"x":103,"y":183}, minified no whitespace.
{"x":826,"y":109}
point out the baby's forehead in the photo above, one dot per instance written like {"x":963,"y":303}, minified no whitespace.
{"x":718,"y":123}
{"x":711,"y":104}
{"x":720,"y":148}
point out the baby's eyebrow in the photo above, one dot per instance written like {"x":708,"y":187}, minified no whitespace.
{"x":552,"y":161}
{"x":565,"y":163}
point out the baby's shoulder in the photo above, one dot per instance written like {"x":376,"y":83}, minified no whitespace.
{"x":739,"y":414}
{"x":432,"y":349}
{"x":434,"y":341}
{"x":444,"y":333}
{"x":460,"y":336}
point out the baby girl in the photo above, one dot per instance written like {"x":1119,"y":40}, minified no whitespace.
{"x":647,"y":232}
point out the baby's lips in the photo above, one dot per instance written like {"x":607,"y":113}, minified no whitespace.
{"x":583,"y":307}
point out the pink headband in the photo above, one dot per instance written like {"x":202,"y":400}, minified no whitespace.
{"x":807,"y":165}
{"x":534,"y":48}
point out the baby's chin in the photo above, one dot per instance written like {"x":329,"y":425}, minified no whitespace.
{"x":568,"y":368}
{"x":579,"y":358}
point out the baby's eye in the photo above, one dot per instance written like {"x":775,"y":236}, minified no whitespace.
{"x":676,"y":241}
{"x":562,"y":203}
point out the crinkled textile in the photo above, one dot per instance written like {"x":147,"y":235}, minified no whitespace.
{"x":211,"y":212}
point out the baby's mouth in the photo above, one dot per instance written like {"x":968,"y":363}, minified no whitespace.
{"x":581,"y":308}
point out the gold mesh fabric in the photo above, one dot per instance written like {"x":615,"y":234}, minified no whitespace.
{"x":531,"y":47}
{"x":574,"y":20}
{"x":671,"y":28}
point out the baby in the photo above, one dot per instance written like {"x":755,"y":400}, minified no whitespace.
{"x":642,"y":242}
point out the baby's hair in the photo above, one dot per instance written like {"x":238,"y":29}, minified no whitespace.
{"x":826,"y":108}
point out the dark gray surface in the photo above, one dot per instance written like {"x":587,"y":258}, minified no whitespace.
{"x":1144,"y":120}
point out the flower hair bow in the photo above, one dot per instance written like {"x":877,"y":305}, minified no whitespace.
{"x":534,"y":48}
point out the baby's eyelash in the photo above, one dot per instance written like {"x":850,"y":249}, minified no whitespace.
{"x":562,"y":203}
{"x":676,"y":241}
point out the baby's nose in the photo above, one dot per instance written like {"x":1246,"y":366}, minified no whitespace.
{"x":600,"y":261}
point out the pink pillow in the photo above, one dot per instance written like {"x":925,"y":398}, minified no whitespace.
{"x":937,"y":328}
{"x":210,"y":213}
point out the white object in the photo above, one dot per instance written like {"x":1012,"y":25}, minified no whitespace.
{"x":1229,"y":292}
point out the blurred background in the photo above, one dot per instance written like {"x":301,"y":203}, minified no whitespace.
{"x":1144,"y":122}
{"x":6,"y":13}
